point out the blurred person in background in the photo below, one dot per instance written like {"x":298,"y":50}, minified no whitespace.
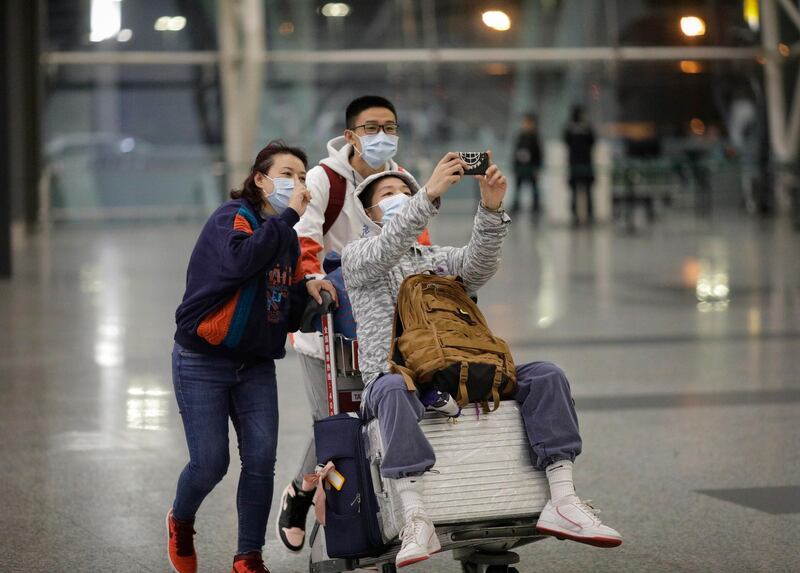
{"x":243,"y":295}
{"x":333,"y":219}
{"x":527,"y":162}
{"x":579,"y":137}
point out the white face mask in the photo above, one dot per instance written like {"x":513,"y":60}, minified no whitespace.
{"x":283,"y":189}
{"x":377,"y":149}
{"x":391,"y":206}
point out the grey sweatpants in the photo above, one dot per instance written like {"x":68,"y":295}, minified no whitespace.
{"x":317,"y":391}
{"x":543,"y":393}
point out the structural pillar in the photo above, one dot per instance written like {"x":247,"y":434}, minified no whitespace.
{"x":5,"y":139}
{"x":242,"y":44}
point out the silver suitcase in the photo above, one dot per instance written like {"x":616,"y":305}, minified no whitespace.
{"x":483,"y":470}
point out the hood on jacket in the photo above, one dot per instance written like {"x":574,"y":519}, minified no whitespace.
{"x":339,"y":159}
{"x":404,"y":175}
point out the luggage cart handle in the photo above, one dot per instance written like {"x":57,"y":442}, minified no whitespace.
{"x":314,"y":309}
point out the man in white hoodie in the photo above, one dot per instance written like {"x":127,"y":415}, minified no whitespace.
{"x":333,"y":218}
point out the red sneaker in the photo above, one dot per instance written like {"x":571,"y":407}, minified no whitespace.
{"x":249,"y":563}
{"x":180,"y":545}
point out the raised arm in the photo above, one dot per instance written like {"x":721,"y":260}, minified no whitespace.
{"x":247,"y":251}
{"x":479,"y":260}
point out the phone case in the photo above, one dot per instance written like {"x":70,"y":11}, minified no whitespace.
{"x":477,"y":162}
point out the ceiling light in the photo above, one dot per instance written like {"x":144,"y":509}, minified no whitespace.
{"x":497,"y":20}
{"x":176,"y":23}
{"x":162,"y":24}
{"x":335,"y":9}
{"x":105,"y":20}
{"x":693,"y":26}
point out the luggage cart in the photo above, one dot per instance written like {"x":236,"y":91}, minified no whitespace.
{"x":485,"y":496}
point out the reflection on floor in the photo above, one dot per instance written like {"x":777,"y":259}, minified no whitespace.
{"x":681,"y":344}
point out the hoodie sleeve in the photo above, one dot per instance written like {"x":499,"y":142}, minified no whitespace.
{"x":298,"y":300}
{"x":245,"y":251}
{"x":366,"y":260}
{"x":309,"y":228}
{"x":479,"y":260}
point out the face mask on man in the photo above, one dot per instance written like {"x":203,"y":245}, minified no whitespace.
{"x":283,"y":189}
{"x":377,"y":149}
{"x":391,"y":206}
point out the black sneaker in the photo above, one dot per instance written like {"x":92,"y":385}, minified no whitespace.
{"x":291,"y":523}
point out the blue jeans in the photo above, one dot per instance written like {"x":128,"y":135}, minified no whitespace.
{"x":209,"y":390}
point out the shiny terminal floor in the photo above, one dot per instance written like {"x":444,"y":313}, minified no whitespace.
{"x":681,"y":343}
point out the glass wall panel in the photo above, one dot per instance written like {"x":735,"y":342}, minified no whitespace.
{"x":142,"y":137}
{"x":128,"y":25}
{"x":148,"y":138}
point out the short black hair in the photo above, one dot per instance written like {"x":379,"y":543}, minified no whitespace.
{"x":366,"y":195}
{"x":359,"y":104}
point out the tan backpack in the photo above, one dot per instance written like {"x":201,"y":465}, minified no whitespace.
{"x":440,"y":337}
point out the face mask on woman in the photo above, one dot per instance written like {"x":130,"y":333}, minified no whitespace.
{"x":378,"y":149}
{"x":391,"y":206}
{"x":283,"y":189}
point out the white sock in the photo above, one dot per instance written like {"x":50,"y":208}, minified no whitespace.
{"x":411,"y":491}
{"x":559,"y":476}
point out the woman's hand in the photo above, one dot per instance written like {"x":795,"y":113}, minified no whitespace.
{"x":446,"y":173}
{"x":315,"y":288}
{"x":300,"y":198}
{"x":493,"y":186}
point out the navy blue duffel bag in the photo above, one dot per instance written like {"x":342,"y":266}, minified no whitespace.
{"x":351,"y":514}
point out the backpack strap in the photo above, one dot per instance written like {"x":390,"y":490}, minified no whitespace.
{"x":498,"y":379}
{"x":338,"y":191}
{"x":463,"y":396}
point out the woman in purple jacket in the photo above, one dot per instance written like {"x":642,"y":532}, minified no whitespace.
{"x":243,"y":295}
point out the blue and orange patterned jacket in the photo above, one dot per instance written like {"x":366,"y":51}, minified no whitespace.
{"x":242,"y":294}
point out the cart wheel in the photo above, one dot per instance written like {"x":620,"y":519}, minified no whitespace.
{"x":313,"y":569}
{"x":467,"y":567}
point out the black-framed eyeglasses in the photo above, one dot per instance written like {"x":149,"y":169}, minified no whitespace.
{"x":373,"y":128}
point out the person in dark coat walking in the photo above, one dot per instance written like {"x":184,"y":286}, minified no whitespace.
{"x":579,"y":137}
{"x":527,"y":162}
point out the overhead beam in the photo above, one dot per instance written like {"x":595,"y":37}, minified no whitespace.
{"x":456,"y":55}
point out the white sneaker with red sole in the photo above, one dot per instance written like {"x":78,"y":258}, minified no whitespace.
{"x":419,"y":541}
{"x":571,"y":518}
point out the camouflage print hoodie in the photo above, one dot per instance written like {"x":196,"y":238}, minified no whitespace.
{"x":375,"y":266}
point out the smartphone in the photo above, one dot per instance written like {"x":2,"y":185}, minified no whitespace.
{"x":477,"y":162}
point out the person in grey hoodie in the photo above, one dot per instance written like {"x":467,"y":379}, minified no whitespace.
{"x":374,"y":268}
